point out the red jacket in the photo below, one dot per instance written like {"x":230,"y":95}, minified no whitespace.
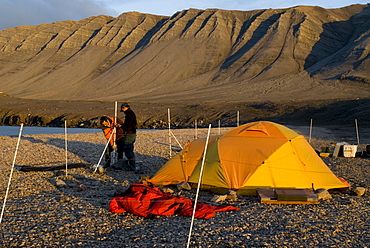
{"x":108,"y":131}
{"x":146,"y":201}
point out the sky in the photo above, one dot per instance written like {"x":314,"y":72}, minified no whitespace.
{"x":15,"y":13}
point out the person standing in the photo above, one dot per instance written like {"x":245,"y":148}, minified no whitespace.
{"x":129,"y":130}
{"x":109,"y":126}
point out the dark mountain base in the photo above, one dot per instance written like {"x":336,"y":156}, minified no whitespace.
{"x":14,"y":111}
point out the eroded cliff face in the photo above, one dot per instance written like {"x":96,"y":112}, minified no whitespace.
{"x":302,"y":53}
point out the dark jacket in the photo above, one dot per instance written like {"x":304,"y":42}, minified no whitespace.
{"x":130,"y":123}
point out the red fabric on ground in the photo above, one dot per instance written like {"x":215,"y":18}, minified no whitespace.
{"x":146,"y":201}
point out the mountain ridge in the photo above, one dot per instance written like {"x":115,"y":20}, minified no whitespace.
{"x":298,"y":53}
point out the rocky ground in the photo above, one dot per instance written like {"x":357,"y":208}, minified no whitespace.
{"x":41,"y":213}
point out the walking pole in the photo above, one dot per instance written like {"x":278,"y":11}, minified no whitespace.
{"x":169,"y":131}
{"x":309,"y":140}
{"x":101,"y":157}
{"x":66,"y":144}
{"x":11,"y":173}
{"x":358,"y":137}
{"x":199,"y":182}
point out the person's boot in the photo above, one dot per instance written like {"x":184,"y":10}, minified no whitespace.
{"x":119,"y":165}
{"x":132,"y":164}
{"x":126,"y":165}
{"x":135,"y":167}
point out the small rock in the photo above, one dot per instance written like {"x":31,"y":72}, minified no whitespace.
{"x":218,"y":198}
{"x":100,"y":170}
{"x":81,"y":187}
{"x":168,"y":190}
{"x":183,"y":185}
{"x":65,"y":199}
{"x":231,"y":195}
{"x":323,"y":194}
{"x":60,"y":183}
{"x":125,"y":183}
{"x":359,"y":191}
{"x":144,"y":179}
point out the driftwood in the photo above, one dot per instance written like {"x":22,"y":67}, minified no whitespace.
{"x":27,"y":168}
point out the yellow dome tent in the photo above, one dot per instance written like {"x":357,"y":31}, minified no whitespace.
{"x":255,"y":155}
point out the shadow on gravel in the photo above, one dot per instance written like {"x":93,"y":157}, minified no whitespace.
{"x":94,"y":188}
{"x":86,"y":151}
{"x":75,"y":210}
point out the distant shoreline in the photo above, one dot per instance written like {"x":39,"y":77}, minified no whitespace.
{"x":29,"y":130}
{"x":338,"y":133}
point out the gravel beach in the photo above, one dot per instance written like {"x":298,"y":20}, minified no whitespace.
{"x":43,"y":212}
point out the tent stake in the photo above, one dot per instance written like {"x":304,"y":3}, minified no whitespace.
{"x":309,"y":141}
{"x":66,"y":144}
{"x":169,"y":131}
{"x":196,"y":129}
{"x":11,"y":173}
{"x":358,"y":137}
{"x":219,"y":127}
{"x":237,"y":119}
{"x":199,"y":182}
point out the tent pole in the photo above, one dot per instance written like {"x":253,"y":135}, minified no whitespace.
{"x":358,"y":137}
{"x":199,"y":182}
{"x":169,"y":131}
{"x":11,"y":173}
{"x":309,"y":141}
{"x":66,"y":144}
